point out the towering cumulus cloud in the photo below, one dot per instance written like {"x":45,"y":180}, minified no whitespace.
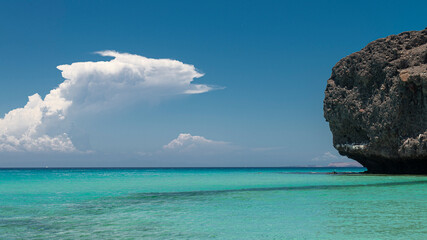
{"x":89,"y":87}
{"x":187,"y":143}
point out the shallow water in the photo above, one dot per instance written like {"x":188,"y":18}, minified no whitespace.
{"x":254,"y":203}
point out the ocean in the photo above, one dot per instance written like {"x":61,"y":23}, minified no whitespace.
{"x":211,"y":203}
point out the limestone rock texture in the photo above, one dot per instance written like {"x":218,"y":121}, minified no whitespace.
{"x":376,"y":104}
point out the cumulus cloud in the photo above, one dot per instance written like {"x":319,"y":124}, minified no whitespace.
{"x":336,"y":161}
{"x":19,"y":129}
{"x":186,"y":143}
{"x":326,"y":156}
{"x":345,"y":164}
{"x":90,"y":87}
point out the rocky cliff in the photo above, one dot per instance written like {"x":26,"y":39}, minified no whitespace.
{"x":376,"y":104}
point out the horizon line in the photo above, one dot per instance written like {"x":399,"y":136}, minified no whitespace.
{"x":15,"y":168}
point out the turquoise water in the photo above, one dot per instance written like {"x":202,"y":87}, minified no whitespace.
{"x":275,"y":203}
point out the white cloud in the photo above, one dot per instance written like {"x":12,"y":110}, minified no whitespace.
{"x":185,"y":142}
{"x":345,"y":164}
{"x":329,"y":155}
{"x":336,"y":161}
{"x":91,"y":87}
{"x":326,"y":156}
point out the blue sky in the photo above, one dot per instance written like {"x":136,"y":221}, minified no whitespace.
{"x":268,"y":62}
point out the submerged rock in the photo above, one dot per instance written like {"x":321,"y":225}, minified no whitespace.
{"x":376,"y":104}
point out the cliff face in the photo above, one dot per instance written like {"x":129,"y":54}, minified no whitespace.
{"x":376,"y":104}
